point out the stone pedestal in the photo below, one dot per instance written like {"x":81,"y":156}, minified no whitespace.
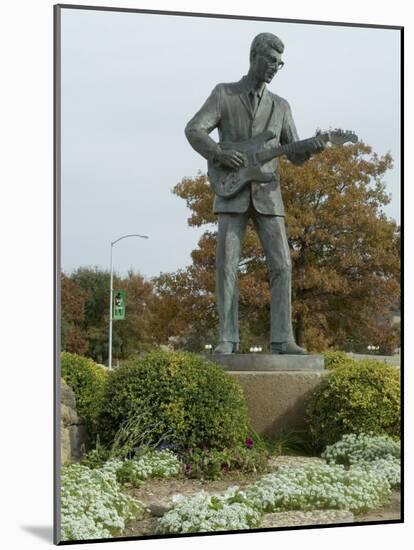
{"x":266,"y":362}
{"x":276,"y":387}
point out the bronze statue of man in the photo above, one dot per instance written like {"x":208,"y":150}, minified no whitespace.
{"x":242,"y":110}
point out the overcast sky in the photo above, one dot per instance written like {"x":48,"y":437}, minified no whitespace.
{"x":130,"y":83}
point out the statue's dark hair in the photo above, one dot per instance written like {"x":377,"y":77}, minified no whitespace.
{"x":263,"y":41}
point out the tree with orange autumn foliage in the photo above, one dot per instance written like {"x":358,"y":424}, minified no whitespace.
{"x":73,"y":298}
{"x":345,"y":259}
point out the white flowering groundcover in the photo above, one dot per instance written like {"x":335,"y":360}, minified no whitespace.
{"x":204,"y":512}
{"x":359,"y":474}
{"x":92,"y":503}
{"x":374,"y":468}
{"x":380,"y":454}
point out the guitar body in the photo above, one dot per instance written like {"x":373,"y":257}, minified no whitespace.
{"x":227,"y":182}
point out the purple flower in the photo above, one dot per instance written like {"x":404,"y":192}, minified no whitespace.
{"x":187,"y":469}
{"x":249,"y":442}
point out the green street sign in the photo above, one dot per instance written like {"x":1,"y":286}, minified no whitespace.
{"x":119,"y":305}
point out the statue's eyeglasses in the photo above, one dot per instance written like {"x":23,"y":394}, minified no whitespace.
{"x":279,"y":64}
{"x":270,"y":59}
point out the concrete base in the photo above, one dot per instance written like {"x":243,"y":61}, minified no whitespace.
{"x":266,"y":362}
{"x":276,"y":400}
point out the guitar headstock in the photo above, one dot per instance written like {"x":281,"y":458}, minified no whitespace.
{"x":339,"y":137}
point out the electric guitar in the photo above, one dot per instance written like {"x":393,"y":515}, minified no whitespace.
{"x":227,"y":182}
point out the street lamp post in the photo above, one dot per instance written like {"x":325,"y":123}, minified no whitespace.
{"x":111,"y":293}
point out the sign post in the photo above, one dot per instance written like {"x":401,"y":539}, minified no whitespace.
{"x":111,"y":296}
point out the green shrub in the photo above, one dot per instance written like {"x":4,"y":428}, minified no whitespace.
{"x":215,"y":464}
{"x":95,"y":458}
{"x":360,"y":397}
{"x":183,"y":398}
{"x":87,"y":380}
{"x":334,"y":359}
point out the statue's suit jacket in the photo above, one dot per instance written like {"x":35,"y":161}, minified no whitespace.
{"x":228,"y":109}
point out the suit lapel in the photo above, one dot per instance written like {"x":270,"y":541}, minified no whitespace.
{"x":244,"y":98}
{"x":264,"y":105}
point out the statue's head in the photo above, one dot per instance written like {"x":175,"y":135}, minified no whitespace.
{"x":266,"y":56}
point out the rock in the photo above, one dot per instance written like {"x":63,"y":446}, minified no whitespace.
{"x":67,"y":396}
{"x":159,"y":508}
{"x":313,"y":517}
{"x":72,"y":432}
{"x":68,"y":415}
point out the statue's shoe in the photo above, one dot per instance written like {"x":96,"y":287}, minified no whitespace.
{"x":287,"y":348}
{"x":226,"y":348}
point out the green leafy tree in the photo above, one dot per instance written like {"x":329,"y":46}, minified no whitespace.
{"x":132,"y":335}
{"x":95,"y":284}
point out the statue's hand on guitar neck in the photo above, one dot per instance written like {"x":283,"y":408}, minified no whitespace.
{"x":318,"y":145}
{"x":312,"y":146}
{"x":315,"y":145}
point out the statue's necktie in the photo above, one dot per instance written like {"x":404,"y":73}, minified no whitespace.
{"x":254,"y":100}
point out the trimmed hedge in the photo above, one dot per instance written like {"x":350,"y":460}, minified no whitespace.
{"x":334,"y":359}
{"x":357,"y":397}
{"x":182,"y":399}
{"x":88,"y":381}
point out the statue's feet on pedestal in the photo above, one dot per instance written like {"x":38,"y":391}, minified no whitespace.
{"x":287,"y":348}
{"x":226,"y":348}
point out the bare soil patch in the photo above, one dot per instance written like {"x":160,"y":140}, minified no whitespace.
{"x":386,"y":513}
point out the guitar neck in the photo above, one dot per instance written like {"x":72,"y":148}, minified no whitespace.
{"x":301,"y":146}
